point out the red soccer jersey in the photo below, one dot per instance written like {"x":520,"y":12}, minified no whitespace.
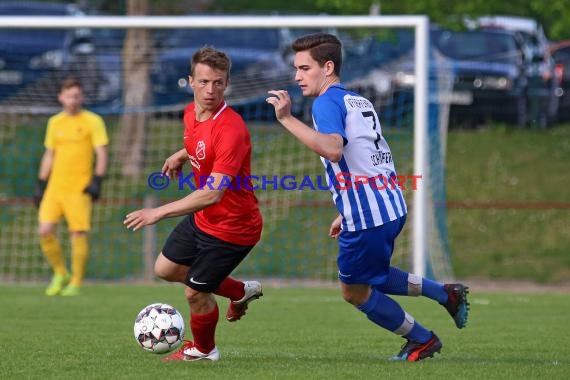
{"x":222,"y":144}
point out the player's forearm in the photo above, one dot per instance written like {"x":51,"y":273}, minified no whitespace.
{"x":325,"y":145}
{"x":181,"y":156}
{"x":102,"y":158}
{"x":45,"y":165}
{"x":198,"y":200}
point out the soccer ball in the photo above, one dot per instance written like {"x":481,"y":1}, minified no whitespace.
{"x":159,"y":328}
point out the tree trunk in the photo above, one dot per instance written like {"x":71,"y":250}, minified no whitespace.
{"x":138,"y":54}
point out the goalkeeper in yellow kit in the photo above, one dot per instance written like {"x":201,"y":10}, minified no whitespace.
{"x":67,"y":185}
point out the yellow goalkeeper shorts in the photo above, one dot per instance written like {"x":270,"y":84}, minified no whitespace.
{"x":75,"y":207}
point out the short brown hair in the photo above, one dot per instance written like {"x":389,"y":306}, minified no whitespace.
{"x":323,"y":47}
{"x":69,"y":83}
{"x":210,"y":56}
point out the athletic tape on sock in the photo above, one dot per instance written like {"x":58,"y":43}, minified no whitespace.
{"x":414,"y":285}
{"x":406,"y":326}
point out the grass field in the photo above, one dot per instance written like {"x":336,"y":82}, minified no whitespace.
{"x":291,"y":333}
{"x":519,"y":179}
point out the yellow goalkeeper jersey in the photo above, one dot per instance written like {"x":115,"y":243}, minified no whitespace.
{"x":73,"y":139}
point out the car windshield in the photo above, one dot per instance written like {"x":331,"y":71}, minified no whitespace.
{"x":478,"y":46}
{"x":264,"y":39}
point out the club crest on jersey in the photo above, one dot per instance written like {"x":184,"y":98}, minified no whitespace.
{"x":201,"y":150}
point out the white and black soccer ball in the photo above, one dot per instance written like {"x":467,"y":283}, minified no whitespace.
{"x":159,"y":328}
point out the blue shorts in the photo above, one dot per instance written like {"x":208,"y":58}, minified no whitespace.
{"x":364,"y":256}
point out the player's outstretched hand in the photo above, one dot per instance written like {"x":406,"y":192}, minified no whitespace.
{"x":335,"y":229}
{"x":140,"y":218}
{"x":281,"y":101}
{"x":94,"y":188}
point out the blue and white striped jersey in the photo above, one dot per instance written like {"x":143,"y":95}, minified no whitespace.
{"x":361,"y":182}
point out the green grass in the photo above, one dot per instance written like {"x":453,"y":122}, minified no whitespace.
{"x":501,"y":166}
{"x":509,"y":165}
{"x":291,"y":333}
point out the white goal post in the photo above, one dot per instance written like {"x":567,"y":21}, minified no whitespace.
{"x":419,"y":23}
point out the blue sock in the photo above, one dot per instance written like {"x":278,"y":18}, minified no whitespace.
{"x":396,"y":284}
{"x":387,"y":313}
{"x":402,"y":283}
{"x":419,"y":334}
{"x":383,"y":311}
{"x":434,"y":290}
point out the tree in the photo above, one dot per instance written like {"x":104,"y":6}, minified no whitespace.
{"x":553,"y":14}
{"x":138,"y":55}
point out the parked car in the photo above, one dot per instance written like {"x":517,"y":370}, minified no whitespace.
{"x":33,"y":62}
{"x":560,"y":52}
{"x":484,"y":70}
{"x":540,"y":67}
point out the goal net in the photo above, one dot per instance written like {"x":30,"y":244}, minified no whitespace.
{"x":134,"y":72}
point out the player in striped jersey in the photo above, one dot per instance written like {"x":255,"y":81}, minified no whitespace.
{"x":360,"y":170}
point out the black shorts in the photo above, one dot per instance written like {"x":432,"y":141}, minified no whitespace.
{"x":210,"y":259}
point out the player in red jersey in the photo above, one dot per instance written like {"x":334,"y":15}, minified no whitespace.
{"x":222,"y":222}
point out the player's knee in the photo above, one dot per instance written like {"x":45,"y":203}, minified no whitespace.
{"x":356,"y":294}
{"x":46,"y":230}
{"x":199,"y":300}
{"x":166,"y":269}
{"x":161,"y":272}
{"x":191,"y":295}
{"x":349,"y":296}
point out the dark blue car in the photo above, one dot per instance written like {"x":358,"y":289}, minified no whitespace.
{"x":489,"y":69}
{"x":484,"y":72}
{"x":34,"y":61}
